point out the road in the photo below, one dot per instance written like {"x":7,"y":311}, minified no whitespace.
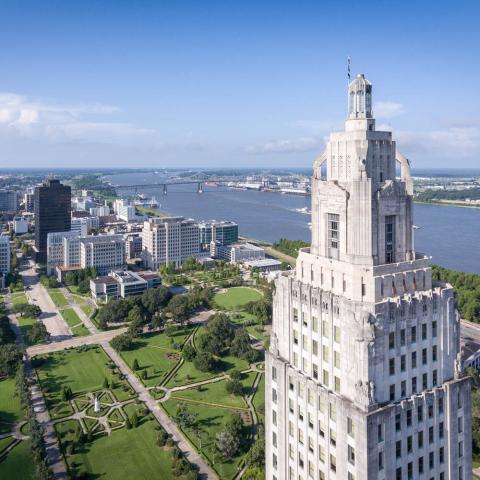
{"x":37,"y":294}
{"x":470,"y":330}
{"x":75,"y":342}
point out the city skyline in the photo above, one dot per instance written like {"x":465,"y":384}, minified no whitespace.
{"x":156,"y":86}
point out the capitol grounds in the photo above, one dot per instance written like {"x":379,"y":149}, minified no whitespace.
{"x":122,"y":437}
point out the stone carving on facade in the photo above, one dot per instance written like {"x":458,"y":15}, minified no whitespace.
{"x":274,"y":344}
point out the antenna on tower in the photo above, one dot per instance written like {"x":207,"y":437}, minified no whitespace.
{"x":349,"y":61}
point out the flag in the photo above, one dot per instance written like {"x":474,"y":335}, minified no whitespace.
{"x":348,"y":67}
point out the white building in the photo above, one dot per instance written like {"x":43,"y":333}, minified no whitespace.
{"x":123,"y":284}
{"x":4,"y":258}
{"x":68,"y":249}
{"x":363,"y":376}
{"x":20,"y":225}
{"x":57,"y":253}
{"x":103,"y":252}
{"x":169,"y":240}
{"x":236,"y":253}
{"x":80,"y":225}
{"x":101,"y":211}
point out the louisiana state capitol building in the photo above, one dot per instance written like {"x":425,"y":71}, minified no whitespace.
{"x":364,"y":378}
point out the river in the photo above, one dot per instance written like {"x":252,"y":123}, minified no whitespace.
{"x":451,"y":235}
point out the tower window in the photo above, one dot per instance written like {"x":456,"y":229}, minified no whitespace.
{"x":390,"y":239}
{"x":333,"y":239}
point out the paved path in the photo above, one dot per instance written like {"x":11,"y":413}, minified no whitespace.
{"x":54,"y":456}
{"x":100,"y":337}
{"x":83,"y":316}
{"x":37,"y":294}
{"x":190,"y":453}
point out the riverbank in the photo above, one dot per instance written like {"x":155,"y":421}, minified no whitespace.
{"x":448,"y":203}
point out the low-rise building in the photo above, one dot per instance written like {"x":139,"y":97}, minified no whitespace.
{"x":122,"y":284}
{"x":236,"y":253}
{"x":169,"y":240}
{"x":265,"y":265}
{"x":101,"y":211}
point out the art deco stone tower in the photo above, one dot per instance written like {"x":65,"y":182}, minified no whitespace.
{"x":364,"y":379}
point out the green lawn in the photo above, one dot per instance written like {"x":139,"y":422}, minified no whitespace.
{"x":10,"y":410}
{"x":212,"y":393}
{"x":19,"y":299}
{"x":125,"y":454}
{"x":83,"y":370}
{"x":18,"y":464}
{"x":155,"y":354}
{"x":259,"y":399}
{"x":211,"y":421}
{"x":80,"y":331}
{"x":71,"y":317}
{"x":26,"y":324}
{"x":87,"y":309}
{"x":57,"y":297}
{"x":236,"y":297}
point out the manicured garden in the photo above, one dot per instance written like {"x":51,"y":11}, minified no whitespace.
{"x":210,"y":421}
{"x":155,"y":354}
{"x":83,"y":369}
{"x":18,"y":463}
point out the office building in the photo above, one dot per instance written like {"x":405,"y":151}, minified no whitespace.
{"x":103,"y":252}
{"x":5,"y":259}
{"x":169,"y":240}
{"x":123,"y":284}
{"x":62,"y":250}
{"x":52,"y":214}
{"x":225,"y":233}
{"x":80,"y":225}
{"x":8,"y":200}
{"x":363,"y":376}
{"x":20,"y":225}
{"x":236,"y":253}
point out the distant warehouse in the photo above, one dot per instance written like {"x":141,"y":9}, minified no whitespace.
{"x":123,"y":284}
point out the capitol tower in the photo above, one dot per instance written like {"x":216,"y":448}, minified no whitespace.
{"x":364,"y":377}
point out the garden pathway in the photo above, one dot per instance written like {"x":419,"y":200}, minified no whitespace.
{"x":83,"y":317}
{"x":170,"y":426}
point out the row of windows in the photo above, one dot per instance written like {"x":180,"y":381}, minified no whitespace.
{"x":414,"y":385}
{"x":403,"y":360}
{"x":401,"y":340}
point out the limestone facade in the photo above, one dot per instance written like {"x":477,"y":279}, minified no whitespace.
{"x":363,"y":375}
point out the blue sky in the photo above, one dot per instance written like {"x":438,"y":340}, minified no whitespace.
{"x":206,"y":84}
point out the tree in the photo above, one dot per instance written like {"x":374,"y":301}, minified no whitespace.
{"x":134,"y":420}
{"x":38,"y":333}
{"x":227,"y":444}
{"x":205,"y":362}
{"x":7,"y":335}
{"x":241,"y":343}
{"x":105,"y":383}
{"x":10,"y":359}
{"x":122,"y":342}
{"x":144,"y":374}
{"x":29,"y":310}
{"x":189,"y":353}
{"x":256,"y":455}
{"x":234,"y":387}
{"x":234,"y":425}
{"x":184,"y":417}
{"x":235,"y":375}
{"x":254,"y":473}
{"x":154,"y":299}
{"x":135,"y":365}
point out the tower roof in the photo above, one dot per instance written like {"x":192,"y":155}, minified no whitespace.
{"x":359,"y":98}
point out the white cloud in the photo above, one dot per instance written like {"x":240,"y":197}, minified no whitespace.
{"x":303,"y":144}
{"x":53,"y":122}
{"x":387,"y":109}
{"x":450,"y":143}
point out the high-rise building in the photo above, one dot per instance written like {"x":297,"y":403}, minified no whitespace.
{"x":363,"y":375}
{"x":59,"y":251}
{"x":169,"y":240}
{"x":5,"y":258}
{"x":52,"y":213}
{"x":8,"y":200}
{"x":224,"y":232}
